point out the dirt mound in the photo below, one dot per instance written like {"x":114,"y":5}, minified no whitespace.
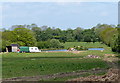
{"x":92,"y":56}
{"x":111,"y":76}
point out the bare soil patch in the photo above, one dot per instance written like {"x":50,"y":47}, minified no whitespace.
{"x":42,"y":77}
{"x":111,"y":76}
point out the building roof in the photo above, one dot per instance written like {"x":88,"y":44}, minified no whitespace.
{"x":14,"y":45}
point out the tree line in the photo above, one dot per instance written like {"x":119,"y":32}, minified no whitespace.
{"x":50,"y":37}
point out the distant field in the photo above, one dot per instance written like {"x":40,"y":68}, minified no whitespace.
{"x":85,"y":44}
{"x":88,"y":45}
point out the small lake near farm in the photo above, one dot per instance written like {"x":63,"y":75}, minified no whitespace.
{"x":60,"y":50}
{"x":56,"y":50}
{"x":96,"y":49}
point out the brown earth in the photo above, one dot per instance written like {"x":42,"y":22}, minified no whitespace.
{"x":111,"y":76}
{"x":43,"y":77}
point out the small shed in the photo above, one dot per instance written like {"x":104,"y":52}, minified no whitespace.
{"x":12,"y":48}
{"x":15,"y":47}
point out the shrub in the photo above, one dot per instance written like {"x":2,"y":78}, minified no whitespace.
{"x":81,"y":48}
{"x":53,"y":43}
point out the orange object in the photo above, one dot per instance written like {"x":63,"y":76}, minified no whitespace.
{"x":18,"y":50}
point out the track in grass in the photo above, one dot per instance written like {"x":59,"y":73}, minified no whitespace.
{"x":58,"y":75}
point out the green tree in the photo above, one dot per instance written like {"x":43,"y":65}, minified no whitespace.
{"x":37,"y":31}
{"x":78,"y":34}
{"x":24,"y":36}
{"x":89,"y":35}
{"x":107,"y":35}
{"x":87,"y":38}
{"x":116,"y":44}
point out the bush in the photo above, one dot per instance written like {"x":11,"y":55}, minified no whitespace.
{"x":53,"y":43}
{"x":3,"y":45}
{"x":115,"y":43}
{"x":43,"y":45}
{"x":81,"y":48}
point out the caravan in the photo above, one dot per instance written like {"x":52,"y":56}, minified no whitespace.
{"x":29,"y":49}
{"x":34,"y":49}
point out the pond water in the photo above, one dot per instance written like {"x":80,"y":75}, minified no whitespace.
{"x":67,"y":50}
{"x":95,"y":48}
{"x":56,"y":50}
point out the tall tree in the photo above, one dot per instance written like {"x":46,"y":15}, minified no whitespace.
{"x":24,"y":37}
{"x":78,"y":34}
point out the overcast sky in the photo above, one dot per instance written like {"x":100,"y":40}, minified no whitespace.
{"x":59,"y":14}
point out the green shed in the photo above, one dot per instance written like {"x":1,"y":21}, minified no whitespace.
{"x":24,"y":49}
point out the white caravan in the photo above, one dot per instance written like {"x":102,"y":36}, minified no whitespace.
{"x":34,"y":49}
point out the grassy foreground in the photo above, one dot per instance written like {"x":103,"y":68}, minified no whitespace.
{"x":32,"y":64}
{"x":28,"y":64}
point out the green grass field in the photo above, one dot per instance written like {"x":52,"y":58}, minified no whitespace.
{"x":33,"y":64}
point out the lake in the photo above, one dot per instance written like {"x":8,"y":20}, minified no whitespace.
{"x":68,"y":50}
{"x":57,"y":50}
{"x":95,"y":48}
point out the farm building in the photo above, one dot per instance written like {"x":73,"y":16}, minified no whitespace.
{"x":17,"y":48}
{"x":12,"y":48}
